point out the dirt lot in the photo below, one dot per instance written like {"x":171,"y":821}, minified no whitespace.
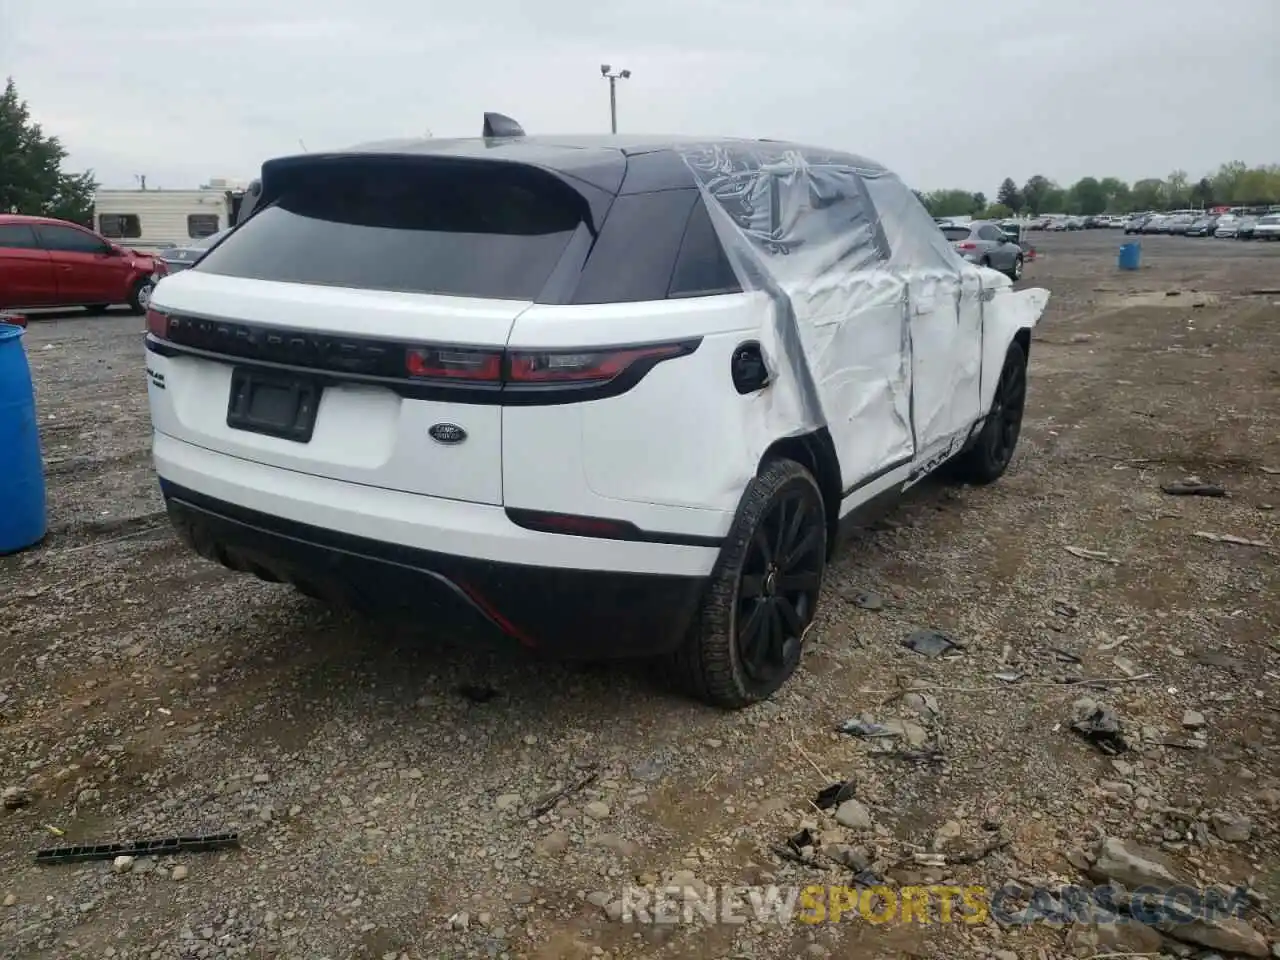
{"x":384,"y":813}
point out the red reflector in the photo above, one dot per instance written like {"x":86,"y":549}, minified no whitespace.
{"x":157,"y":324}
{"x":586,"y":525}
{"x":595,"y":365}
{"x":573,"y":524}
{"x":453,"y":364}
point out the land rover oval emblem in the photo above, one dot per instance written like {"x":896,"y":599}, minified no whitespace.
{"x":447,"y":433}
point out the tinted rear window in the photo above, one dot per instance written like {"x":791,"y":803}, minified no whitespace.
{"x":635,"y":254}
{"x":478,"y":230}
{"x":956,"y":233}
{"x":656,"y":246}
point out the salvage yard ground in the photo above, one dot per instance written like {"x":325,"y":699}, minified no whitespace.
{"x":382,"y":801}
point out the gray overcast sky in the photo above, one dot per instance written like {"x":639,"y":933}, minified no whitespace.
{"x":946,"y":93}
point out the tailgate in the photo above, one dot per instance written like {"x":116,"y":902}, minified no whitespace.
{"x":353,"y":326}
{"x":259,"y":383}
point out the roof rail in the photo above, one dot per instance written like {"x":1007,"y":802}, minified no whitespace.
{"x":498,"y":125}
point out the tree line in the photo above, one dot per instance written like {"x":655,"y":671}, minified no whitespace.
{"x":1235,"y":184}
{"x":32,"y":180}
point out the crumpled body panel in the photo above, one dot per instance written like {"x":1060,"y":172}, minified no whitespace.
{"x":886,"y":335}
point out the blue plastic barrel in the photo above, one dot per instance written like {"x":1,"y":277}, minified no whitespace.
{"x":23,"y":519}
{"x":1130,"y":256}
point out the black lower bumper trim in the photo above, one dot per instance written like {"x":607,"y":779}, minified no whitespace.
{"x":569,"y":614}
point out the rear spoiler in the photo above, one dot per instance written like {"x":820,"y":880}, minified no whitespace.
{"x":252,"y":194}
{"x":496,"y":126}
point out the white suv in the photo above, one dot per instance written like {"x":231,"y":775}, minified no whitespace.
{"x":600,"y":396}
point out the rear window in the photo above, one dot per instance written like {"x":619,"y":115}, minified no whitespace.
{"x":655,"y":246}
{"x":479,"y":230}
{"x":955,"y":233}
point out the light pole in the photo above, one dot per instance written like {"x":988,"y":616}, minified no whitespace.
{"x":613,"y":79}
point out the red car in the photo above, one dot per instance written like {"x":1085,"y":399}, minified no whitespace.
{"x":52,"y":263}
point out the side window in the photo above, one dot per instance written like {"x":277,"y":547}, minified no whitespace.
{"x":857,"y":198}
{"x":702,"y":269}
{"x":200,"y":225}
{"x":17,"y":236}
{"x":120,"y":226}
{"x":635,"y":254}
{"x":70,"y":240}
{"x":988,"y":232}
{"x":838,"y":202}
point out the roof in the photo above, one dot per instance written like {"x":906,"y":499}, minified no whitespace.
{"x":25,"y":218}
{"x":645,"y":162}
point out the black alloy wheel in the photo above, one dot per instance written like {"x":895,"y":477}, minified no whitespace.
{"x":989,"y":457}
{"x":747,"y":638}
{"x":1006,"y":411}
{"x":779,"y":585}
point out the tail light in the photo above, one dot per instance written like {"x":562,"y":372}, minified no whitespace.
{"x":521,"y":367}
{"x":158,"y":324}
{"x":966,"y":246}
{"x":453,"y":364}
{"x":578,"y":366}
{"x":490,"y":369}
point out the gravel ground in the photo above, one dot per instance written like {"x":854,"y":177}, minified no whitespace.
{"x":386,"y":803}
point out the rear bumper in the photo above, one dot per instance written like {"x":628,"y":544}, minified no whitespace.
{"x":563,"y":613}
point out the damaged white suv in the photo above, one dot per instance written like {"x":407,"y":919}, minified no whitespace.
{"x":603,"y":397}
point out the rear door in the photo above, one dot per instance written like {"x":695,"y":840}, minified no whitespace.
{"x":26,"y":270}
{"x":87,"y":268}
{"x":353,"y":327}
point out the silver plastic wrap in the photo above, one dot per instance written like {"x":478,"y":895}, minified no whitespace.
{"x":869,"y":298}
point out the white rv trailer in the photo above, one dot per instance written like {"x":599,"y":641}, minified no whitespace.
{"x":154,"y":219}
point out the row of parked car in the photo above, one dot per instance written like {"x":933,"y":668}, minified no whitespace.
{"x":1228,"y":225}
{"x":1058,"y":222}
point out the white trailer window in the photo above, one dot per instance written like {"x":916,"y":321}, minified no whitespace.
{"x":201,"y":225}
{"x":120,"y":226}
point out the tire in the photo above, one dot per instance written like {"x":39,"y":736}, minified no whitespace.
{"x":985,"y":262}
{"x":989,"y":457}
{"x":140,"y":295}
{"x":1016,"y":272}
{"x":748,"y":598}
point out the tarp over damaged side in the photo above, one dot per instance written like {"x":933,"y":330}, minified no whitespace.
{"x":846,"y":253}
